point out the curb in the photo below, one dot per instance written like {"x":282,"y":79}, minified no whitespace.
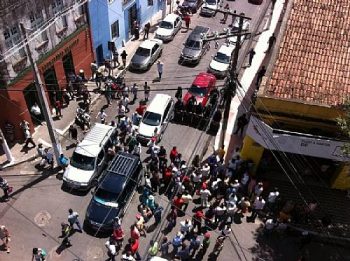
{"x":19,"y":162}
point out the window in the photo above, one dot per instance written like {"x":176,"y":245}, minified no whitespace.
{"x":64,"y":21}
{"x":12,"y":36}
{"x":36,"y":20}
{"x":57,"y":6}
{"x":149,"y":2}
{"x":115,"y":29}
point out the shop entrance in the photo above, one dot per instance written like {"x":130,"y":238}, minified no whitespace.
{"x":31,"y":97}
{"x":51,"y":85}
{"x":68,"y":65}
{"x":99,"y":55}
{"x":131,"y":18}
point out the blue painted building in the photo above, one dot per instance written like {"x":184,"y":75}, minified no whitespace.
{"x":111,"y":20}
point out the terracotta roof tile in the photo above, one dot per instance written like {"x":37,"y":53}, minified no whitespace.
{"x":313,"y":59}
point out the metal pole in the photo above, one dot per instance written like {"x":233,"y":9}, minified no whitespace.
{"x":42,"y":99}
{"x":6,"y":148}
{"x":231,"y":83}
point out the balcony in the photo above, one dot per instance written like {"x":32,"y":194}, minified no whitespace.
{"x":20,"y":64}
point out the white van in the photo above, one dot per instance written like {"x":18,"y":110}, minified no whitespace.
{"x":157,"y":115}
{"x":89,"y":157}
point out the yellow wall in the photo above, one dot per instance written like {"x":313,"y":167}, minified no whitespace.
{"x":265,"y":103}
{"x":252,"y":151}
{"x":342,"y":180}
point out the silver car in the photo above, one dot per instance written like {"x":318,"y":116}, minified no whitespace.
{"x":146,"y":54}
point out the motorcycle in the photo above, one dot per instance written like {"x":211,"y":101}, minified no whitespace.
{"x":82,"y":119}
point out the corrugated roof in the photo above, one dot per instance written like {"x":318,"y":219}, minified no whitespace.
{"x":313,"y":62}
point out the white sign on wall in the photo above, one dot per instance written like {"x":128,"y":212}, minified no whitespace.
{"x":298,"y":143}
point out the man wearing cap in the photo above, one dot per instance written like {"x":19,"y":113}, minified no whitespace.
{"x":204,"y":194}
{"x":197,"y":221}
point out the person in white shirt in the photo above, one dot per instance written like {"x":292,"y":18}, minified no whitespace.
{"x":196,"y":178}
{"x":258,"y":206}
{"x":205,"y":193}
{"x":128,"y":256}
{"x":111,"y":246}
{"x":186,"y":226}
{"x":220,"y":212}
{"x":272,"y":198}
{"x":230,"y":212}
{"x":102,"y":116}
{"x":226,"y":230}
{"x":73,"y":219}
{"x":134,"y":90}
{"x":160,"y":66}
{"x":186,"y":197}
{"x":121,"y":112}
{"x":205,"y":170}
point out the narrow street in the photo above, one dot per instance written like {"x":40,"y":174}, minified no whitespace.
{"x":40,"y":205}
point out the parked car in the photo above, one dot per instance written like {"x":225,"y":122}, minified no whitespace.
{"x":235,"y":27}
{"x":221,"y":61}
{"x":89,"y":157}
{"x":209,"y":7}
{"x":255,"y":2}
{"x":146,"y":54}
{"x":195,"y":47}
{"x":157,"y":115}
{"x":114,"y":192}
{"x":192,"y":5}
{"x":201,"y":87}
{"x":169,"y":27}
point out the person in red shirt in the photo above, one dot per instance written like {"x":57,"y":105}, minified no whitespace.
{"x":173,"y":154}
{"x":167,"y":175}
{"x":187,"y":19}
{"x":178,"y":201}
{"x":118,"y":235}
{"x":197,"y":221}
{"x":141,"y":109}
{"x":134,"y":247}
{"x":134,"y":232}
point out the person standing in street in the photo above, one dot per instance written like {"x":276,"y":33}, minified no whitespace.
{"x":260,"y":74}
{"x":270,"y":42}
{"x":93,"y":67}
{"x":58,"y":108}
{"x":73,"y":133}
{"x":102,"y":116}
{"x":73,"y":219}
{"x":147,"y":28}
{"x":258,"y":206}
{"x":187,"y":19}
{"x":28,"y":139}
{"x":134,"y":90}
{"x":160,"y":67}
{"x":5,"y":188}
{"x":5,"y":237}
{"x":111,"y":248}
{"x":39,"y":254}
{"x":251,"y":56}
{"x":66,"y":232}
{"x":158,"y":215}
{"x":115,"y":58}
{"x":147,"y":90}
{"x":123,"y":55}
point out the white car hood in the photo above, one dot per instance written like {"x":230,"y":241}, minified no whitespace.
{"x":164,"y":31}
{"x":146,"y":130}
{"x":210,"y":6}
{"x":218,"y":66}
{"x":78,"y":175}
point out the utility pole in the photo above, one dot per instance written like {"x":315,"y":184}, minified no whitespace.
{"x":231,"y":85}
{"x":42,"y":99}
{"x":6,"y":148}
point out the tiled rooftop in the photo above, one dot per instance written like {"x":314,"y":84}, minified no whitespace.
{"x":313,"y":62}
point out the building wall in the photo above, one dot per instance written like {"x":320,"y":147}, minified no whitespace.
{"x":103,"y":13}
{"x":70,"y":35}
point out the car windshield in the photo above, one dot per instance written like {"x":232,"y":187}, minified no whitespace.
{"x":106,"y":195}
{"x":166,"y":25}
{"x":198,"y":91}
{"x":193,"y":44}
{"x":211,"y":2}
{"x":143,"y":52}
{"x":82,"y":162}
{"x":222,"y":58}
{"x":151,"y":118}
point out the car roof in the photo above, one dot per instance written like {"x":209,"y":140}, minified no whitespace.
{"x":203,"y":79}
{"x":170,"y":17}
{"x":197,"y":31}
{"x":123,"y":164}
{"x":226,"y":49}
{"x":113,"y":183}
{"x":94,"y":140}
{"x":148,"y":44}
{"x":159,"y":101}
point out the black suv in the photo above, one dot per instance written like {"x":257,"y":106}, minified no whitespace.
{"x":193,"y":5}
{"x":114,"y":191}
